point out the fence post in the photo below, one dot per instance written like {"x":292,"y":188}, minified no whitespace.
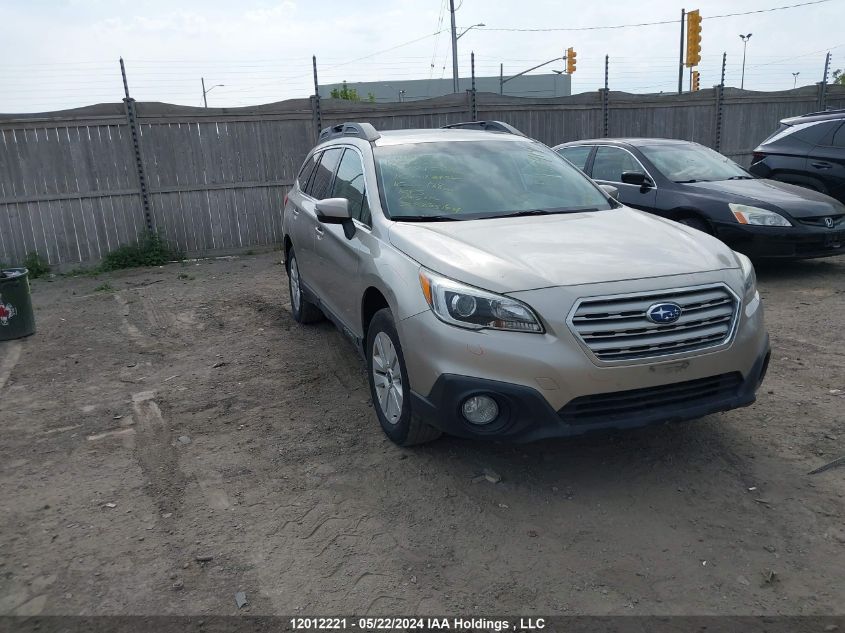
{"x":720,"y":99}
{"x":605,"y":100}
{"x":131,"y":117}
{"x":315,"y":103}
{"x":473,"y":103}
{"x":823,"y":83}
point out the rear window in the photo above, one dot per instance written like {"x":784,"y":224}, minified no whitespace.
{"x":810,"y":133}
{"x":319,"y":187}
{"x":576,"y":155}
{"x":479,"y":179}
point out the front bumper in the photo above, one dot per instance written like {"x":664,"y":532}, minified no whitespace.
{"x":771,"y":242}
{"x":535,"y":377}
{"x":526,"y":416}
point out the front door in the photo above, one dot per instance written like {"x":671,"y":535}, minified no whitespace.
{"x":608,"y":165}
{"x":339,"y":257}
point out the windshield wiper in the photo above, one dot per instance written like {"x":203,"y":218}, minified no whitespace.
{"x":740,"y":178}
{"x":518,"y":214}
{"x":425,"y":218}
{"x":686,"y":182}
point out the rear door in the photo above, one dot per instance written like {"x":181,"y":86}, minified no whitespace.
{"x":298,"y":225}
{"x":608,"y":164}
{"x":827,"y":163}
{"x":339,"y":258}
{"x":308,"y":228}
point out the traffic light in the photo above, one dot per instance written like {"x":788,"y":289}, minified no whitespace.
{"x":693,"y":38}
{"x":696,"y":83}
{"x":570,"y":60}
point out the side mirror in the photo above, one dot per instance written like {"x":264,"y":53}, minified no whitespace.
{"x":333,"y":210}
{"x":635,"y":178}
{"x":336,"y":211}
{"x":610,"y":190}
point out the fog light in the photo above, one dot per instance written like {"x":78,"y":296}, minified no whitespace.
{"x":480,"y":409}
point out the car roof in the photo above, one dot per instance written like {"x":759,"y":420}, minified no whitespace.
{"x":632,"y":142}
{"x":827,"y":115}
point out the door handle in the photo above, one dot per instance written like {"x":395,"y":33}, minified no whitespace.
{"x":821,"y":165}
{"x":295,"y":211}
{"x":319,"y":230}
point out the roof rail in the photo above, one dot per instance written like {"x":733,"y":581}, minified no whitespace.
{"x":358,"y":130}
{"x":486,"y":126}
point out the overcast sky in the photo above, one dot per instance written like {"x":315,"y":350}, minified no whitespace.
{"x":58,"y":54}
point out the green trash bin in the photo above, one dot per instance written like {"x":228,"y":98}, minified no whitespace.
{"x":16,"y":316}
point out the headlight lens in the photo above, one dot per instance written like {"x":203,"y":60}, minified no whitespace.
{"x":473,"y":308}
{"x":748,"y":274}
{"x":754,"y":215}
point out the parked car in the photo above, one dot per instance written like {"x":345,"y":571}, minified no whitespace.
{"x":496,"y":291}
{"x":696,"y":186}
{"x":806,"y":150}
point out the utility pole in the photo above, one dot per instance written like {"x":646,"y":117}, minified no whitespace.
{"x":795,"y":79}
{"x":501,"y":79}
{"x":745,"y":39}
{"x":681,"y":56}
{"x":205,"y":92}
{"x":454,"y":48}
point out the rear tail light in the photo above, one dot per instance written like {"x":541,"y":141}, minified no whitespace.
{"x":756,"y":157}
{"x":286,"y":199}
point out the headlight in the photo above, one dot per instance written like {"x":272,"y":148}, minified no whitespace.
{"x":468,"y":307}
{"x":748,"y":274}
{"x":754,"y":215}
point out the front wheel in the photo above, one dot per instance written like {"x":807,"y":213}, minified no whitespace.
{"x":389,"y":386}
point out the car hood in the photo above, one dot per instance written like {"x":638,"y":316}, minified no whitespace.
{"x":798,"y":202}
{"x":514,"y":254}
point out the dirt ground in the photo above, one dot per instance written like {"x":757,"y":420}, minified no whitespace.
{"x":165,"y":415}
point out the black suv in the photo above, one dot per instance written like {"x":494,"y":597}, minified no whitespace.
{"x":806,"y":150}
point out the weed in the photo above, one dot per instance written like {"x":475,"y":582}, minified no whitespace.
{"x":104,"y":287}
{"x":37,"y":267}
{"x":185,"y":276}
{"x":151,"y":250}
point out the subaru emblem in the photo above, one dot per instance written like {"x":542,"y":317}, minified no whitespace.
{"x":828,"y":222}
{"x":663,"y":313}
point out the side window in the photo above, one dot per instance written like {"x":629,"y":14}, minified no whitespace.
{"x":576,"y":155}
{"x":322,"y":180}
{"x":610,"y":162}
{"x":839,"y":137}
{"x":349,"y":184}
{"x":307,"y":170}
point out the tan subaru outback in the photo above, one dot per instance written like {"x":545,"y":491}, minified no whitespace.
{"x":496,"y":291}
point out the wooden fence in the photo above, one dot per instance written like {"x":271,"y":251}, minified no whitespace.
{"x":215,"y":178}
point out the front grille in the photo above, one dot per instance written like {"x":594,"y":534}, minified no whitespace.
{"x":616,"y":328}
{"x":619,"y":405}
{"x":820,"y":220}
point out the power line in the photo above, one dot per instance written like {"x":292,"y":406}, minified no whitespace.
{"x":625,"y":26}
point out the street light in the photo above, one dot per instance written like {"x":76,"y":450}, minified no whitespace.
{"x":745,"y":39}
{"x":205,"y":92}
{"x":795,"y":78}
{"x":468,"y":29}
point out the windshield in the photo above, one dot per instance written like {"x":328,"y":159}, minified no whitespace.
{"x":461,"y":180}
{"x":692,"y":163}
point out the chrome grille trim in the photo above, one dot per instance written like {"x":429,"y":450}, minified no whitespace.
{"x":614,"y":328}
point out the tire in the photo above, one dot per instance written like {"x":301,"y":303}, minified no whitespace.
{"x":303,"y":311}
{"x":391,"y":393}
{"x":695,"y":223}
